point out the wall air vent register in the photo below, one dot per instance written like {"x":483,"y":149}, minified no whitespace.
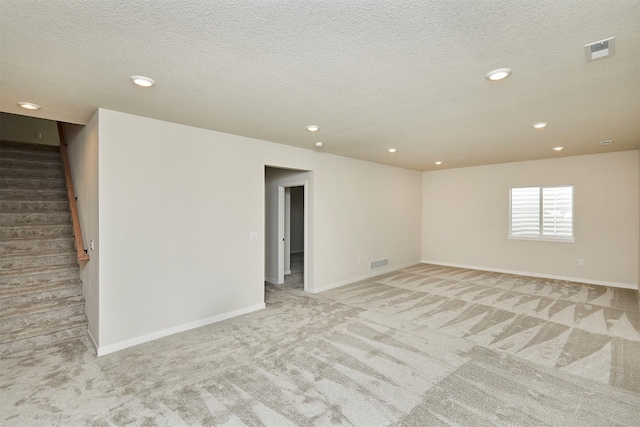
{"x":601,"y":49}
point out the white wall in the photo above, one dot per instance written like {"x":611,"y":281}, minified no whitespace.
{"x":17,"y":128}
{"x":363,"y":211}
{"x":360,"y":211}
{"x":82,"y":148}
{"x":177,"y":205}
{"x":176,"y":208}
{"x":465,"y":213}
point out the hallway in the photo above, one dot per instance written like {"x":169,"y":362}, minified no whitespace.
{"x":295,"y":280}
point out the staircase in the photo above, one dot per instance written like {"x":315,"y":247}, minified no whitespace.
{"x":41,"y":299}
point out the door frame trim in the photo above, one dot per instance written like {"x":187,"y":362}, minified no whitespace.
{"x":281,"y":209}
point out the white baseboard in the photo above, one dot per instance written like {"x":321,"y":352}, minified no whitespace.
{"x":101,"y":351}
{"x":273,"y":280}
{"x":373,"y":273}
{"x":287,"y":272}
{"x":530,"y":274}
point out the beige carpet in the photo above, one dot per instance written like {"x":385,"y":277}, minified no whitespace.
{"x":426,"y":345}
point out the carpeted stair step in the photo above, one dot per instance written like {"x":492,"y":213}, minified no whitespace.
{"x":26,"y":146}
{"x":39,"y":164}
{"x":27,"y":183}
{"x":11,"y":327}
{"x":26,"y":289}
{"x":39,"y":275}
{"x":48,"y":334}
{"x":25,"y":206}
{"x":29,"y":152}
{"x":35,"y":231}
{"x":35,"y":324}
{"x":14,"y":157}
{"x":33,"y":194}
{"x":42,"y":173}
{"x":41,"y":317}
{"x":27,"y":245}
{"x":22,"y":305}
{"x":22,"y":157}
{"x":34,"y":218}
{"x":34,"y":260}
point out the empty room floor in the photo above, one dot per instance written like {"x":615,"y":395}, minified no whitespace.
{"x":424,"y":345}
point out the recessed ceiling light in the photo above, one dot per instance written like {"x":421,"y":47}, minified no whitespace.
{"x":319,"y":144}
{"x":540,"y":125}
{"x":313,"y":128}
{"x":438,"y":163}
{"x":143,"y":81}
{"x":29,"y":105}
{"x":558,"y":148}
{"x":498,"y":74}
{"x":392,"y":150}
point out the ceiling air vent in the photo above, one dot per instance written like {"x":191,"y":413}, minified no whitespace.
{"x":601,"y":49}
{"x":606,"y":142}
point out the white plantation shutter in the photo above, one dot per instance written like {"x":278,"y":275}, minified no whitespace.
{"x":525,"y":211}
{"x":557,"y":212}
{"x":542,"y":212}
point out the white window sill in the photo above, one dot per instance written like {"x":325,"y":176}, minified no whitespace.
{"x":544,"y":239}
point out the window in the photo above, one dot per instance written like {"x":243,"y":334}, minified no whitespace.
{"x":544,"y":213}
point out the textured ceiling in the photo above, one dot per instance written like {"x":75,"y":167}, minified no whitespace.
{"x":372,"y":74}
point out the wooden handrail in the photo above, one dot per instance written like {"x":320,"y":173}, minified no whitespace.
{"x":77,"y":232}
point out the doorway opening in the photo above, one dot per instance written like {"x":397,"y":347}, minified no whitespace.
{"x":294,"y":237}
{"x":288,"y":256}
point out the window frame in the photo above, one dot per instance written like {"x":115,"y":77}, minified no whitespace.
{"x":541,"y":236}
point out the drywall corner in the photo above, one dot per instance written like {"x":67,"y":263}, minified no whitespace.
{"x":82,"y":147}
